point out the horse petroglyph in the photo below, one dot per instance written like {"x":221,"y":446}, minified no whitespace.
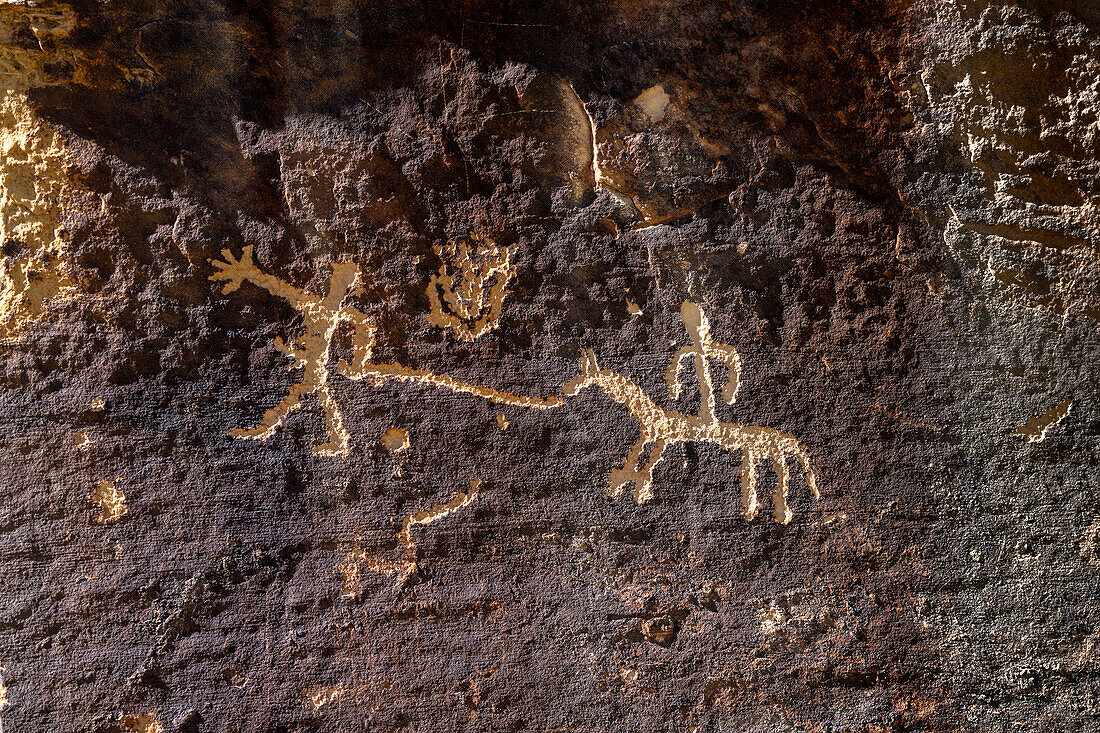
{"x":662,"y":428}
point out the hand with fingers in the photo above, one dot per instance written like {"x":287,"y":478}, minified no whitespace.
{"x":236,"y":271}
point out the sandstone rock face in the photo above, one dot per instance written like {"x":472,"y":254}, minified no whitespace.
{"x":598,"y":366}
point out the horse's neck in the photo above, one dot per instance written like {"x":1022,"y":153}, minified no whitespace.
{"x":626,"y":393}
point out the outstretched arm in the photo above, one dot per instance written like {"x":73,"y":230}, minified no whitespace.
{"x":728,"y":356}
{"x":236,"y":271}
{"x":672,"y":374}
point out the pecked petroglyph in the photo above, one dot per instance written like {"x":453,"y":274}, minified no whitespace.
{"x":1035,"y":429}
{"x":662,"y":428}
{"x":323,"y":318}
{"x":469,"y":301}
{"x":395,"y":440}
{"x":111,"y":501}
{"x":408,"y":565}
{"x":378,"y":373}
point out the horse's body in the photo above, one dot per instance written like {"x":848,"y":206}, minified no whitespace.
{"x":662,"y":428}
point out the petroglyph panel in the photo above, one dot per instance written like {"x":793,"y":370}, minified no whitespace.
{"x":812,"y":283}
{"x":660,"y":428}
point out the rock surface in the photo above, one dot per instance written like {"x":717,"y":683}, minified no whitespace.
{"x":864,"y":234}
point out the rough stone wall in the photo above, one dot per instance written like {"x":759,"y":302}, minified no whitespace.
{"x":656,"y":366}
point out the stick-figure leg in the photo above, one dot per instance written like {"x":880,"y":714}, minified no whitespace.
{"x":337,"y":443}
{"x":804,"y":458}
{"x":782,"y":512}
{"x":273,"y":417}
{"x":748,"y":485}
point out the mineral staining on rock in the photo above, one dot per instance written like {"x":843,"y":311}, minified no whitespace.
{"x":111,"y":501}
{"x":33,"y":47}
{"x":35,"y":186}
{"x":1025,"y":213}
{"x":33,"y":189}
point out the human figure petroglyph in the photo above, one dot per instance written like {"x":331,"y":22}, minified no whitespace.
{"x":703,"y":348}
{"x":323,"y":317}
{"x":662,"y":428}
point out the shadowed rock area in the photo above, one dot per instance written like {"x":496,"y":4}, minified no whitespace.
{"x":538,"y":366}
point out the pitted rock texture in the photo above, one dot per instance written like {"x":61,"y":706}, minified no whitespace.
{"x":885,"y":210}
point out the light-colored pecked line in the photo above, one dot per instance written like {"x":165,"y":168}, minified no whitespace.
{"x":405,"y":374}
{"x":1036,"y":429}
{"x":661,"y":428}
{"x":403,"y":568}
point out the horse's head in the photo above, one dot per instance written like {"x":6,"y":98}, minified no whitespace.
{"x":590,"y":372}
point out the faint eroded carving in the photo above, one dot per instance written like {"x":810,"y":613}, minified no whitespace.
{"x":408,"y":566}
{"x":662,"y":428}
{"x":318,"y":697}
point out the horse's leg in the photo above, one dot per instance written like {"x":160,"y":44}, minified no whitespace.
{"x":748,"y":485}
{"x":779,"y":496}
{"x":643,"y":490}
{"x":804,"y":458}
{"x":620,"y":477}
